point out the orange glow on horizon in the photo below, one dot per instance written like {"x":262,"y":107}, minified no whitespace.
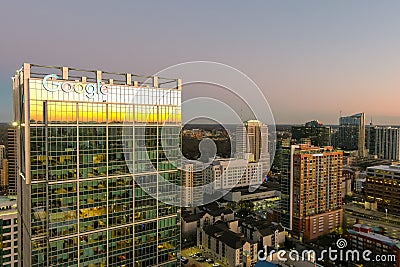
{"x":98,"y":114}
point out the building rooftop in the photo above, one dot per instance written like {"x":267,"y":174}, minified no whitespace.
{"x":265,"y":228}
{"x":265,"y":264}
{"x":6,"y":201}
{"x":193,"y":217}
{"x":359,"y":225}
{"x":314,"y":150}
{"x":390,"y":168}
{"x":220,"y":211}
{"x":231,"y":162}
{"x":221,"y":232}
{"x":378,"y":237}
{"x":117,"y":78}
{"x":210,"y":206}
{"x":7,"y":206}
{"x":214,"y":211}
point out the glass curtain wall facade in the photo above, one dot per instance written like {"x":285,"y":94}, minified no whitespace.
{"x":85,"y":143}
{"x":352,"y":133}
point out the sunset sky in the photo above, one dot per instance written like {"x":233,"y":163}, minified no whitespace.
{"x":311,"y":59}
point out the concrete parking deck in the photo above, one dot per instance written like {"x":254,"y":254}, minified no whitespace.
{"x":192,"y":261}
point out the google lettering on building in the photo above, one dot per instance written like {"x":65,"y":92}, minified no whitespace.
{"x":89,"y":89}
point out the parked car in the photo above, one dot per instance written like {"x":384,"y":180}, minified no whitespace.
{"x":201,"y":259}
{"x":210,"y":260}
{"x":184,"y":260}
{"x":216,"y":265}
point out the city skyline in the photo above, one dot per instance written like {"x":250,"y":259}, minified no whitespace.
{"x":223,"y":134}
{"x":311,"y":60}
{"x":95,"y":184}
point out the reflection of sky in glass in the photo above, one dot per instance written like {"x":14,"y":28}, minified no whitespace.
{"x":149,"y":104}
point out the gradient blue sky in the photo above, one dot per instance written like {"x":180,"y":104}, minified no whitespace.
{"x":310,"y":58}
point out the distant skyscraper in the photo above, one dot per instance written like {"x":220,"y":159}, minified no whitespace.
{"x":2,"y":152}
{"x":4,"y":173}
{"x":241,"y":141}
{"x":318,"y":134}
{"x":285,"y":155}
{"x":317,"y":190}
{"x":3,"y":168}
{"x":192,"y":180}
{"x":92,"y":149}
{"x":252,"y":143}
{"x":280,"y":145}
{"x":12,"y":161}
{"x":351,"y":134}
{"x":384,"y":142}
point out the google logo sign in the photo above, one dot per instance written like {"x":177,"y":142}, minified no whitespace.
{"x":90,"y":89}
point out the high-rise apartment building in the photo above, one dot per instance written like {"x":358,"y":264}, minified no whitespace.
{"x":215,"y":178}
{"x":241,"y":149}
{"x":285,"y":152}
{"x":280,"y":145}
{"x":2,"y":152}
{"x":8,"y":232}
{"x":224,"y":174}
{"x":384,"y":142}
{"x":3,"y":169}
{"x":351,"y":135}
{"x":316,"y":173}
{"x":252,"y":143}
{"x":192,"y":180}
{"x":382,"y":186}
{"x":318,"y":134}
{"x":4,"y":174}
{"x":12,"y":161}
{"x":97,"y":163}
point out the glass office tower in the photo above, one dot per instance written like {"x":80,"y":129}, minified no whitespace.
{"x":95,"y":150}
